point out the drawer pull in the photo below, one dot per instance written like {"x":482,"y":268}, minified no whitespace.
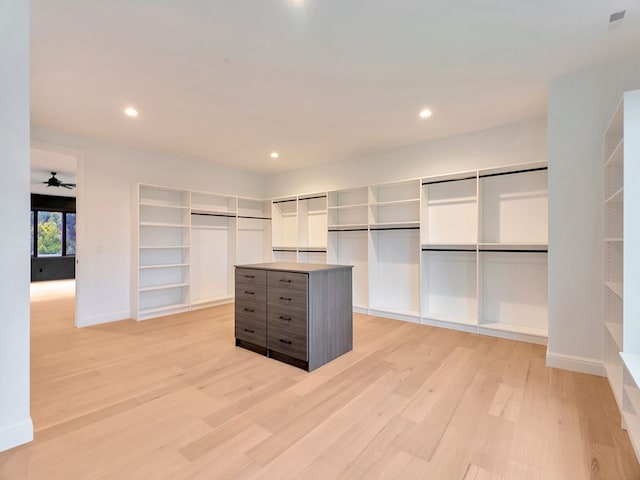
{"x":288,"y":319}
{"x":250,"y":310}
{"x":285,"y":280}
{"x":249,"y":293}
{"x":249,"y":276}
{"x":286,"y":299}
{"x":287,"y":342}
{"x":249,"y":331}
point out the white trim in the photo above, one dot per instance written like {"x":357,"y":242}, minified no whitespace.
{"x":576,"y":364}
{"x":102,"y":318}
{"x":394,"y":316}
{"x":16,"y":435}
{"x":511,"y":335}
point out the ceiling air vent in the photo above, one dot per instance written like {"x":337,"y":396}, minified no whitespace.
{"x":616,"y":17}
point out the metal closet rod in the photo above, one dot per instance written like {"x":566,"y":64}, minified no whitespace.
{"x":285,"y":201}
{"x":350,"y":230}
{"x":317,"y":250}
{"x":214,"y":215}
{"x":310,"y":198}
{"x":513,"y":251}
{"x":448,"y":250}
{"x":255,"y":218}
{"x":449,"y":180}
{"x":513,"y":172}
{"x":393,"y":228}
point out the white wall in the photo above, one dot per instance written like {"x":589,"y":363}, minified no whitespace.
{"x":579,"y":108}
{"x":106,"y":175}
{"x":523,"y":142}
{"x":15,"y":421}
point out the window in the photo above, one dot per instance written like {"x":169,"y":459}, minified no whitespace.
{"x":49,"y":234}
{"x":32,"y":226}
{"x":53,"y":234}
{"x":70,"y":235}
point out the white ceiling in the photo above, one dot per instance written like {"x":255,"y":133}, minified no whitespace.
{"x":316,"y":80}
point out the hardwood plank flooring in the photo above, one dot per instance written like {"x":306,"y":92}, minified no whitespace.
{"x":173,"y":398}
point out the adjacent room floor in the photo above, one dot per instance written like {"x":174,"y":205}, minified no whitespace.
{"x":173,"y":398}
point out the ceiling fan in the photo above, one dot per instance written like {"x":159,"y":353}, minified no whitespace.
{"x":56,"y":182}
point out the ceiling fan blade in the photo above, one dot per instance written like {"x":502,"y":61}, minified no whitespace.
{"x":69,"y":184}
{"x":66,"y":185}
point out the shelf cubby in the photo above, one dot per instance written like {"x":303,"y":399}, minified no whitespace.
{"x":513,"y":206}
{"x":450,"y":288}
{"x":348,"y":197}
{"x":312,"y":222}
{"x":450,"y":211}
{"x":163,"y":197}
{"x":514,"y":294}
{"x":213,"y":244}
{"x":284,"y":222}
{"x":212,"y":203}
{"x":394,"y":273}
{"x":351,"y":248}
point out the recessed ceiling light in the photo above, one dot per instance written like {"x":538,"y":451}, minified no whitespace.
{"x":426,"y":113}
{"x":275,"y":154}
{"x":130,"y":112}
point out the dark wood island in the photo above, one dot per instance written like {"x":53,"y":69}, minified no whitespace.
{"x":298,"y":313}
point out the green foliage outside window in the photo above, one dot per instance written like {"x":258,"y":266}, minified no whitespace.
{"x":49,"y":233}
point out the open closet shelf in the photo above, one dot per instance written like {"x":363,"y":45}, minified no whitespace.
{"x":163,"y":265}
{"x":160,"y":205}
{"x":167,"y":225}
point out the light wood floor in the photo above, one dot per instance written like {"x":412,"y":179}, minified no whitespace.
{"x":172,"y":398}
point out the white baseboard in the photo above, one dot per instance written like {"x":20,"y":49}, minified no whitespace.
{"x":102,"y":318}
{"x":16,"y":435}
{"x":576,"y":364}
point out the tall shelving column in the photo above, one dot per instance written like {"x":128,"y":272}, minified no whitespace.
{"x":394,"y":250}
{"x":513,"y":222}
{"x":312,"y":228}
{"x":622,"y":172}
{"x":613,"y":245}
{"x":348,"y":238}
{"x":163,"y":261}
{"x":449,"y":286}
{"x":213,"y":248}
{"x":284,"y":224}
{"x":254,"y":231}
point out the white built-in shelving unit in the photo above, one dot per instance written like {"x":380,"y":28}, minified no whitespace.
{"x":348,"y":243}
{"x":185,"y":246}
{"x":163,"y":251}
{"x":466,"y":251}
{"x":394,"y":250}
{"x":300,"y":228}
{"x":622,"y":261}
{"x":213,"y":248}
{"x":512,"y":225}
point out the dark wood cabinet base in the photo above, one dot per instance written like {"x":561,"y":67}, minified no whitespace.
{"x":300,"y":314}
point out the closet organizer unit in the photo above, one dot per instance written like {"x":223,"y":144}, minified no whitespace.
{"x":449,"y":293}
{"x":163,"y":253}
{"x":348,"y":239}
{"x":622,"y":261}
{"x":213,"y":248}
{"x":284,"y":217}
{"x":300,"y":229}
{"x":394,"y":250}
{"x":513,"y":252}
{"x":186,"y":244}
